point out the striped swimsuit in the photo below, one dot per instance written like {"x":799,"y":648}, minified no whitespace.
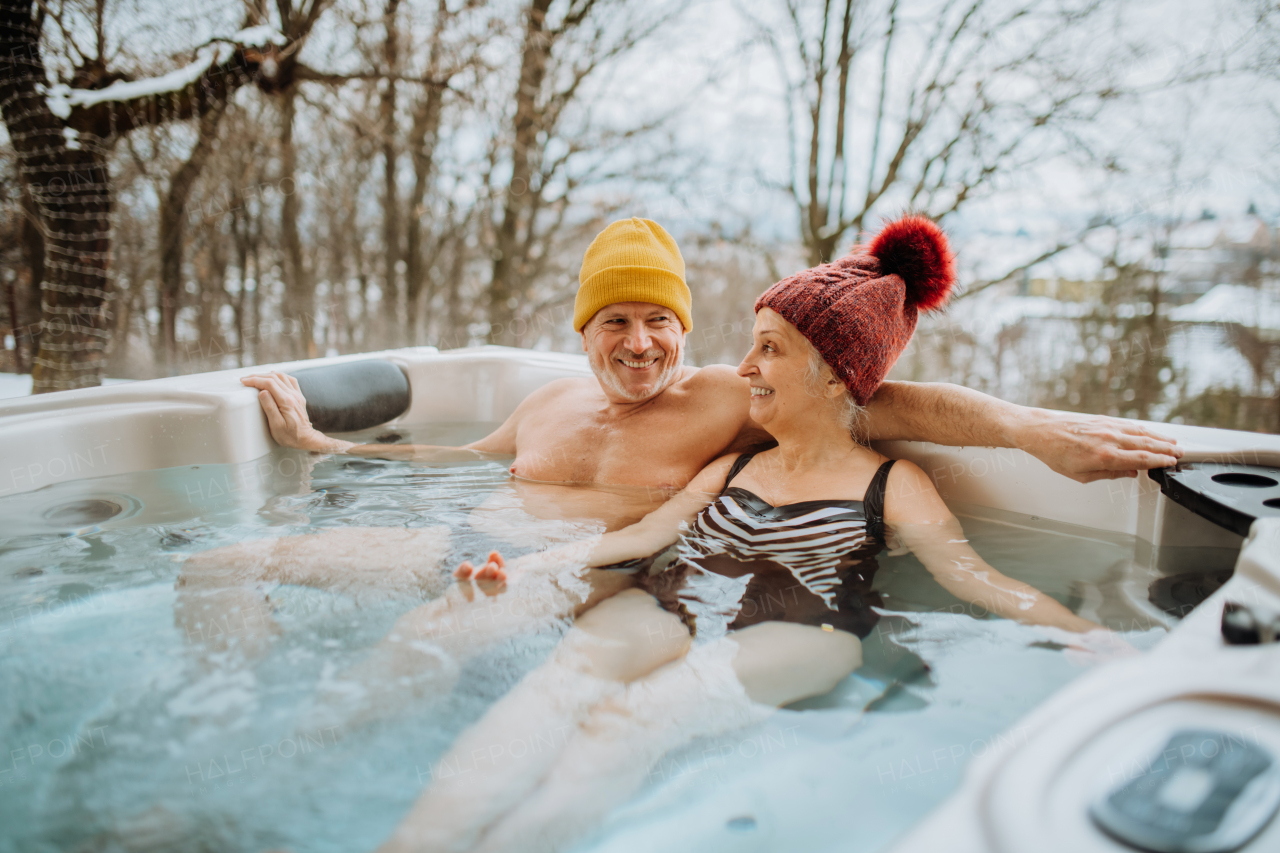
{"x":744,"y":561}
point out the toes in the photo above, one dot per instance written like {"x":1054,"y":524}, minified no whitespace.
{"x":495,"y":557}
{"x":491,"y":572}
{"x":464,"y":571}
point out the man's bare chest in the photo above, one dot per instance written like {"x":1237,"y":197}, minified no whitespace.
{"x":661,"y":448}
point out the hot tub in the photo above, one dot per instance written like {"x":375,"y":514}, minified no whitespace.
{"x":962,"y":732}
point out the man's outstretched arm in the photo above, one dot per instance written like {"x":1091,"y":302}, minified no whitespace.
{"x":286,"y":411}
{"x":1082,"y":447}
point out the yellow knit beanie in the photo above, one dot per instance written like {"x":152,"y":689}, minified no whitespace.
{"x":633,"y":260}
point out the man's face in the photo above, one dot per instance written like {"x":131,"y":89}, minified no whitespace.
{"x":636,"y":349}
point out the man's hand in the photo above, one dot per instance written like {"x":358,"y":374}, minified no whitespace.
{"x":1092,"y":447}
{"x":286,"y":411}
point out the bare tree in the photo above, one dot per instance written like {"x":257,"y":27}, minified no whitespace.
{"x":63,"y":135}
{"x":886,"y":112}
{"x":390,"y":159}
{"x":560,"y":49}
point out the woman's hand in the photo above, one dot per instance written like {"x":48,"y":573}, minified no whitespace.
{"x":286,"y":411}
{"x":1099,"y":646}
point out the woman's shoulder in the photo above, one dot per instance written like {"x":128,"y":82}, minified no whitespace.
{"x":910,"y":495}
{"x":906,"y":473}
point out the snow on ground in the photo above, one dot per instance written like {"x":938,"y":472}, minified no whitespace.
{"x":19,"y":385}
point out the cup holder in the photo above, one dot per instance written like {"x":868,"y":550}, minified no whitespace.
{"x":1241,"y":478}
{"x":1231,"y":496}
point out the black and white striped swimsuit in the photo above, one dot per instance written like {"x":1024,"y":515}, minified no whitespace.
{"x":744,"y":561}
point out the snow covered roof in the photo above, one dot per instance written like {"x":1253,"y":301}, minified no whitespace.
{"x":1232,"y":303}
{"x":1248,"y":230}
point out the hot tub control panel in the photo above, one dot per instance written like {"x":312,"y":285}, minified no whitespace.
{"x":1194,"y":799}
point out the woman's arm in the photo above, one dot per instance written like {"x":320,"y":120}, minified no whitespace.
{"x":647,"y":536}
{"x":915,"y":512}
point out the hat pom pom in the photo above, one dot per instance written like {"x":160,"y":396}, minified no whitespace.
{"x":916,"y":250}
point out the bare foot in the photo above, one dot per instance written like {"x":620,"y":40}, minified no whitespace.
{"x":490,"y":577}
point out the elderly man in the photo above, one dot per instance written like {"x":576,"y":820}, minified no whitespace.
{"x":648,"y":420}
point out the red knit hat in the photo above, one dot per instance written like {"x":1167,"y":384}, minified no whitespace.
{"x":859,"y":312}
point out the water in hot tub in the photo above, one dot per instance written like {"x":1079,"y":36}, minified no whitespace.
{"x":121,"y":729}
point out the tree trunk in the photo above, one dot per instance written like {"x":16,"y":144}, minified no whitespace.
{"x":68,"y":182}
{"x":62,"y":164}
{"x":453,"y":306}
{"x":127,"y":301}
{"x":390,"y":196}
{"x":211,"y":278}
{"x":28,"y":298}
{"x":340,"y":220}
{"x":255,"y":304}
{"x":422,"y":144}
{"x":173,"y":216}
{"x":506,"y":283}
{"x":298,"y":307}
{"x":240,"y":235}
{"x":15,"y":325}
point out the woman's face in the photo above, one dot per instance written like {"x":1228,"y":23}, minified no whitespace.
{"x":776,"y":368}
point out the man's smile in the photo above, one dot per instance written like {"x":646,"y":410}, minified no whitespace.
{"x":639,"y":365}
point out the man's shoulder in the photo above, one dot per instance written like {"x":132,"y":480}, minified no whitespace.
{"x":570,"y":386}
{"x":713,"y":377}
{"x":559,"y":390}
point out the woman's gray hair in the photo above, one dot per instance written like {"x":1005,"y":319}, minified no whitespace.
{"x":852,"y":416}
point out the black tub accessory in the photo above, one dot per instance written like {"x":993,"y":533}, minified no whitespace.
{"x":355,"y":395}
{"x":1243,"y":625}
{"x":1230,"y":495}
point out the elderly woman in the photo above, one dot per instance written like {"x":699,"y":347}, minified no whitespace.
{"x":752,"y":587}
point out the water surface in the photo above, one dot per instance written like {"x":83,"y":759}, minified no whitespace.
{"x":118,"y":728}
